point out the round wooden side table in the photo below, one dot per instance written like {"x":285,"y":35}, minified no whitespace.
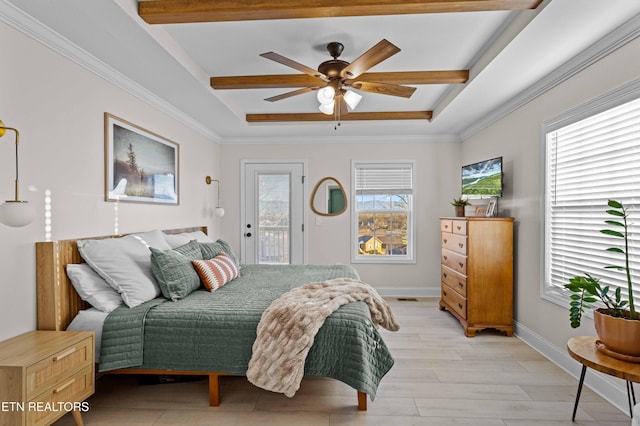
{"x":583,"y":349}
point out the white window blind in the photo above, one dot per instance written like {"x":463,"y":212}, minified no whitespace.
{"x":376,"y":178}
{"x":589,"y":162}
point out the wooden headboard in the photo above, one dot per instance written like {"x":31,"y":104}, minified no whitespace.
{"x":58,"y":302}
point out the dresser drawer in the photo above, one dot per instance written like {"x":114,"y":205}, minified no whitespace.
{"x":455,"y":261}
{"x":51,"y":370}
{"x":454,"y":242}
{"x":454,"y":300}
{"x":446,"y":225}
{"x":456,"y":281}
{"x":61,"y":397}
{"x":459,"y":227}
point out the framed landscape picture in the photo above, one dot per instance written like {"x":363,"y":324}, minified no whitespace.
{"x":140,"y":166}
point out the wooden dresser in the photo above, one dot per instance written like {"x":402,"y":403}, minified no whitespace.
{"x":477,"y":272}
{"x":44,"y":375}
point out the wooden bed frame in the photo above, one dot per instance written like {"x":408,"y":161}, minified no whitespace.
{"x":58,"y":302}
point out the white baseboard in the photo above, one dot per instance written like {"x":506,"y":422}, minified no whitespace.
{"x":408,"y":292}
{"x":608,"y":387}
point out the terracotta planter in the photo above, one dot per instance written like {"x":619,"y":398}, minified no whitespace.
{"x":618,"y":334}
{"x":459,"y":211}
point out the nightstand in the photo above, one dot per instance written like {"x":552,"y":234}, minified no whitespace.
{"x":44,"y":375}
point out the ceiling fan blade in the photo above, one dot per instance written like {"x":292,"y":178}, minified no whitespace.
{"x":293,"y":64}
{"x":378,"y":53}
{"x":384,"y":88}
{"x":304,"y":80}
{"x":293,"y":93}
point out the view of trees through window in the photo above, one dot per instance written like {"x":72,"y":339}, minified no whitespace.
{"x":273,"y":218}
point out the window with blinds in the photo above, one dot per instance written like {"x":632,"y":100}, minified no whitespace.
{"x":382,"y":215}
{"x":589,"y":161}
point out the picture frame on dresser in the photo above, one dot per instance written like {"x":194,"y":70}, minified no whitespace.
{"x":140,"y":166}
{"x":492,"y":208}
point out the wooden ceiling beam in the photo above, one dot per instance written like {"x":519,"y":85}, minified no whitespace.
{"x":303,"y":80}
{"x":186,"y":11}
{"x":352,"y":116}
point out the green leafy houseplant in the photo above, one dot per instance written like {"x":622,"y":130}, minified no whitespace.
{"x":587,"y":289}
{"x":460,"y":202}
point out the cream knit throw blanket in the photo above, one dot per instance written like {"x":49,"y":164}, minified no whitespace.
{"x":289,"y":325}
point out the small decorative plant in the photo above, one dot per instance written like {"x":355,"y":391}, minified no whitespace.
{"x":587,"y":289}
{"x":460,"y":202}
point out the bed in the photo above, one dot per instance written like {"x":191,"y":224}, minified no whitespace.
{"x":218,"y":338}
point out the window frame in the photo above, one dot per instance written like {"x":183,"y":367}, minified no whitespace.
{"x":410,"y":257}
{"x":612,"y":99}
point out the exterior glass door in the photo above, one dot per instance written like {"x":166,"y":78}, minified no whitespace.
{"x":273,"y":230}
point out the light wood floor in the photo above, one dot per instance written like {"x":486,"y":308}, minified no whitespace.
{"x":440,"y":378}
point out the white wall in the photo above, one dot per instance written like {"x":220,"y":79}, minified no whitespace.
{"x":518,"y":138}
{"x":58,"y":108}
{"x":438,"y":182}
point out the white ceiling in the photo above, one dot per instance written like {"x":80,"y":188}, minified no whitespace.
{"x":507,"y":52}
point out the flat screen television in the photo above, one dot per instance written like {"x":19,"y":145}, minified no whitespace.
{"x":483,"y":179}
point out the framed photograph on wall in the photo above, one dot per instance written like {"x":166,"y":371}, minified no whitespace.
{"x":140,"y":166}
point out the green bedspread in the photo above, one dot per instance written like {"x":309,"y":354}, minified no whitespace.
{"x":215,"y":331}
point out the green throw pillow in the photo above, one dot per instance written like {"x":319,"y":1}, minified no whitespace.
{"x":211,"y":250}
{"x":174,"y":272}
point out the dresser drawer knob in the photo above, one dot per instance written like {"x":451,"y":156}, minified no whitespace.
{"x":460,"y":305}
{"x":63,"y":387}
{"x":460,"y":245}
{"x":63,"y":355}
{"x":444,"y":274}
{"x":444,"y":257}
{"x":445,"y":241}
{"x":459,"y":227}
{"x":444,"y":292}
{"x":461,"y":264}
{"x":460,"y":284}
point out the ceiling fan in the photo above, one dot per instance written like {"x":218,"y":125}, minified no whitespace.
{"x":336,"y":76}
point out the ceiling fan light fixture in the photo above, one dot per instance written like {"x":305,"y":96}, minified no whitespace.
{"x":326,"y":95}
{"x":326,"y":108}
{"x":352,"y":99}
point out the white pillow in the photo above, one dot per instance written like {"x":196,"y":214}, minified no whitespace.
{"x":93,"y":288}
{"x":125,"y":263}
{"x":177,"y":240}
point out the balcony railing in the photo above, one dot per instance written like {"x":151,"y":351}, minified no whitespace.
{"x":273,"y":245}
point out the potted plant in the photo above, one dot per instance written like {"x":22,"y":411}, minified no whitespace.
{"x":459,"y":204}
{"x":617,"y":322}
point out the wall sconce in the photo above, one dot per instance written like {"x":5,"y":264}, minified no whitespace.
{"x":15,"y":212}
{"x":219,"y":210}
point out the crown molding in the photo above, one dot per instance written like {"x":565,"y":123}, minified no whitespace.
{"x":624,"y":34}
{"x":338,"y":139}
{"x":20,"y":21}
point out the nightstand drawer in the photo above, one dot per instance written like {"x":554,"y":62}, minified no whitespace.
{"x":454,"y":242}
{"x":61,"y":398}
{"x":455,"y":301}
{"x":453,"y":279}
{"x":51,"y":370}
{"x":454,"y":261}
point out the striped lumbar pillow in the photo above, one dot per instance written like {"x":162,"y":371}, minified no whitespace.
{"x":216,"y":272}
